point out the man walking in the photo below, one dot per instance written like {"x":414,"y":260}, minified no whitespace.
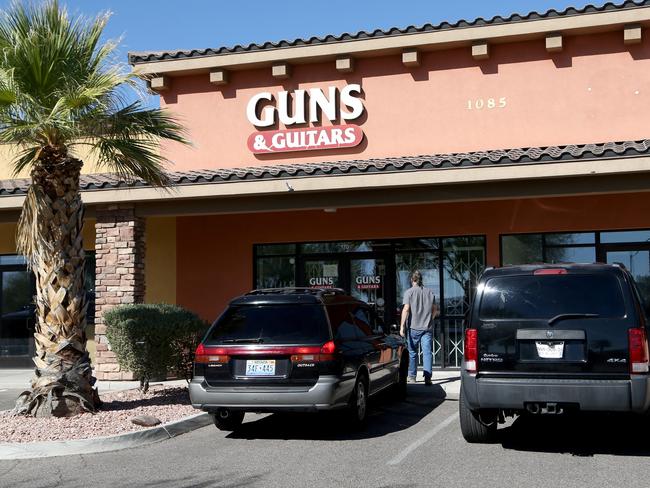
{"x":420,"y":304}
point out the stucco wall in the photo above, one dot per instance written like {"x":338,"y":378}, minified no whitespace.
{"x":596,"y":90}
{"x":8,"y":153}
{"x":160,"y":260}
{"x":215,"y":253}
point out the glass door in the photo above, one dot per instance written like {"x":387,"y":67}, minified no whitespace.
{"x":369,"y":282}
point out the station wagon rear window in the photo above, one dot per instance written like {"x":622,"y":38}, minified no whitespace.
{"x":543,"y":297}
{"x":271,"y":324}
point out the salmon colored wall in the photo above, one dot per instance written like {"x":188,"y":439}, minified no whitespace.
{"x":596,"y":90}
{"x":215,"y":253}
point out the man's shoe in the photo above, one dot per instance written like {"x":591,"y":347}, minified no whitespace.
{"x":410,"y":379}
{"x":427,"y":382}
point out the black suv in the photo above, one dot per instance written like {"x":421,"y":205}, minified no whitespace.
{"x":295,"y":349}
{"x":546,"y":339}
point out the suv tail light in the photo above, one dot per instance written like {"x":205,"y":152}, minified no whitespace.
{"x":206,"y":355}
{"x":638,"y":350}
{"x":471,"y":350}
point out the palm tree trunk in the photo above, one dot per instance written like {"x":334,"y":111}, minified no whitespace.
{"x":50,"y":236}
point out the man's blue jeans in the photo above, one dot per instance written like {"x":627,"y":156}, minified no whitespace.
{"x":425,"y":339}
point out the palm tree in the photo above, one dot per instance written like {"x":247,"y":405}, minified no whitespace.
{"x":59,"y":90}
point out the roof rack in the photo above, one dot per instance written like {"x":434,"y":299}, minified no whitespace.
{"x":298,"y":291}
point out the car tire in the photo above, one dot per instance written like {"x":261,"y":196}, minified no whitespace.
{"x":358,"y":404}
{"x":473,"y":426}
{"x":399,"y":389}
{"x":228,"y":420}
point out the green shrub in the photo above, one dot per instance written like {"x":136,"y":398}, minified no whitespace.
{"x":153,"y":339}
{"x":185,"y":342}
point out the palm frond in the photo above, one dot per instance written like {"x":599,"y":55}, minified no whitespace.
{"x":59,"y":87}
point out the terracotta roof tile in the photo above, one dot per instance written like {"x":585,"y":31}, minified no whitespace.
{"x":151,"y":56}
{"x":515,"y":156}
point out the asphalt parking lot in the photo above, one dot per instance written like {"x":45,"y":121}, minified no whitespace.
{"x":415,"y":443}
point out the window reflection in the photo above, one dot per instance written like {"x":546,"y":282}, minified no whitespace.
{"x":625,"y":236}
{"x":571,"y":254}
{"x":276,"y":272}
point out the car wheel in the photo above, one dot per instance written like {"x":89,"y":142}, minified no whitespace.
{"x":358,"y":403}
{"x":399,"y":388}
{"x":228,"y":420}
{"x":474,"y":427}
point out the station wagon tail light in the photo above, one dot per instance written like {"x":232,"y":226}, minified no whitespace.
{"x":326,"y":352}
{"x":550,"y":271}
{"x":471,"y":350}
{"x":210,"y":355}
{"x":638,"y":350}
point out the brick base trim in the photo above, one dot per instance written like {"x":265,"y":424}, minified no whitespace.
{"x":119,"y":255}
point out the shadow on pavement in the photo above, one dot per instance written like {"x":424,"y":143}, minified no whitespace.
{"x":583,"y":434}
{"x":385,"y":416}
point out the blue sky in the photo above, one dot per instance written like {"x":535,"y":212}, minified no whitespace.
{"x":175,"y":24}
{"x":157,"y":25}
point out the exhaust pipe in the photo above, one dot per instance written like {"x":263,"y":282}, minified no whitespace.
{"x":533,"y":408}
{"x":223,"y":413}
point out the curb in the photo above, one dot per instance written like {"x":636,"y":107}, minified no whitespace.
{"x":33,"y":450}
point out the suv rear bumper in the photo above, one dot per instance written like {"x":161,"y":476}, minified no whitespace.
{"x":625,"y":395}
{"x":329,"y":393}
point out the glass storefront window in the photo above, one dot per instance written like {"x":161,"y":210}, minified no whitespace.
{"x":12,"y":259}
{"x":569,"y":239}
{"x":452,"y":243}
{"x":342,"y":247}
{"x":625,"y":236}
{"x":417,"y":244}
{"x":276,"y":272}
{"x":406,"y":263}
{"x":275,"y":249}
{"x":322,"y":273}
{"x":17,"y":313}
{"x":571,"y":254}
{"x":378,"y":272}
{"x":462,"y":265}
{"x":522,"y":249}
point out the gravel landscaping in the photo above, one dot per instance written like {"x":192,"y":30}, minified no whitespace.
{"x":165,"y":403}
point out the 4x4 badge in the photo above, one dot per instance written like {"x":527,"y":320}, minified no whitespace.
{"x":549,"y":334}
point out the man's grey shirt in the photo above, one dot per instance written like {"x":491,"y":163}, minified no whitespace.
{"x":421,"y":301}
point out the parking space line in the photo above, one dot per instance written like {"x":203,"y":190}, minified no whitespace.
{"x":425,"y":438}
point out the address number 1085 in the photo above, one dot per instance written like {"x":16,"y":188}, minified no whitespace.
{"x":486,"y":103}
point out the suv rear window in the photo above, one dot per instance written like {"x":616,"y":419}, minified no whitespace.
{"x":543,"y":297}
{"x":271,"y":324}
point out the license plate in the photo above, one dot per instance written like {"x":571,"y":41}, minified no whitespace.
{"x":260,"y":367}
{"x":550,"y":350}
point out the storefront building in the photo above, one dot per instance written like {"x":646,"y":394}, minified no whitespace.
{"x":349,"y":161}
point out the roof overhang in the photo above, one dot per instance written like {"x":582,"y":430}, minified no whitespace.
{"x":483,"y":182}
{"x":583,"y":23}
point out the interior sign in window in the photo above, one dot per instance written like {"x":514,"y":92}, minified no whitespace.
{"x":368,"y":282}
{"x":302,"y":107}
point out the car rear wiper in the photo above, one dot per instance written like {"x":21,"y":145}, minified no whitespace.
{"x":563,"y":316}
{"x":254,"y":340}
